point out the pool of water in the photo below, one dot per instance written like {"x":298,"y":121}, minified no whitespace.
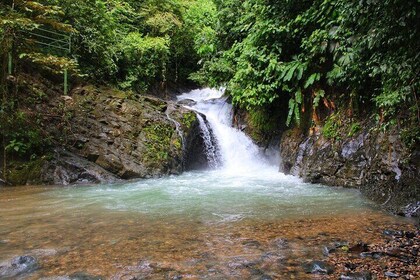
{"x":199,"y":225}
{"x":243,"y":220}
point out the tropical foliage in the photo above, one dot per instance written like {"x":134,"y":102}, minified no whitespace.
{"x":134,"y":45}
{"x":269,"y":54}
{"x":307,"y":53}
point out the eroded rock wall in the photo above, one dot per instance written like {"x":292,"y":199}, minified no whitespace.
{"x":136,"y":137}
{"x":376,"y":162}
{"x":105,"y":135}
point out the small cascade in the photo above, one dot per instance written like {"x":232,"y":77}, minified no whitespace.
{"x":238,"y":153}
{"x":177,"y":128}
{"x":210,"y":144}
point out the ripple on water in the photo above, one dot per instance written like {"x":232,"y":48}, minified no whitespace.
{"x":200,"y":226}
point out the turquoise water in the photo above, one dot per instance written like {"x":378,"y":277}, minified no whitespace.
{"x":199,"y":225}
{"x":225,"y":223}
{"x":214,"y":196}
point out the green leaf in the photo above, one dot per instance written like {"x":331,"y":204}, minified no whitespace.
{"x":297,"y":114}
{"x":298,"y":96}
{"x":292,"y":105}
{"x":300,"y":72}
{"x":318,"y":95}
{"x":290,"y":73}
{"x":310,"y":81}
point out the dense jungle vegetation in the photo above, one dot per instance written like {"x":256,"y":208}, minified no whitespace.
{"x":299,"y":60}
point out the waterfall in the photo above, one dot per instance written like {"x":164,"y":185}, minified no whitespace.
{"x":237,"y":151}
{"x":210,"y":145}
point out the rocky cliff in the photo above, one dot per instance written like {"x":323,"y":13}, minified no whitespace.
{"x":374,"y":161}
{"x":103,"y":135}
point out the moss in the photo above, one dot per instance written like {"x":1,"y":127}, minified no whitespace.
{"x":188,"y":119}
{"x":331,"y":129}
{"x":24,"y":173}
{"x":354,"y":128}
{"x":158,"y":142}
{"x":411,"y":137}
{"x":263,"y":124}
{"x":108,"y":91}
{"x":177,"y":143}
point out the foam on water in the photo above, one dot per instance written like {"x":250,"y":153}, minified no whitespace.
{"x":240,"y":155}
{"x":212,"y":218}
{"x":246,"y":185}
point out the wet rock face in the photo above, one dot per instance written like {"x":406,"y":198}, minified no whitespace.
{"x":110,"y":135}
{"x":195,"y":157}
{"x":375,"y":162}
{"x":129,"y":136}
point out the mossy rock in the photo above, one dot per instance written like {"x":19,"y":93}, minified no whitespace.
{"x":158,"y":141}
{"x":188,"y":119}
{"x":26,"y":173}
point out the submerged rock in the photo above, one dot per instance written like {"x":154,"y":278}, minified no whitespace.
{"x":327,"y":250}
{"x":391,"y":274}
{"x":84,"y":276}
{"x":75,"y":276}
{"x":318,"y":267}
{"x":393,"y":233}
{"x":281,"y":243}
{"x":411,"y":210}
{"x":359,"y":247}
{"x":373,"y":255}
{"x":18,"y":266}
{"x":357,"y":276}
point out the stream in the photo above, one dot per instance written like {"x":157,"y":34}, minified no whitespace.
{"x":240,"y":219}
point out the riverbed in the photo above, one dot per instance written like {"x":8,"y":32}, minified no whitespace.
{"x":199,"y":225}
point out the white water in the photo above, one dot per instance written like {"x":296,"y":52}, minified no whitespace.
{"x":246,"y":186}
{"x":210,"y":148}
{"x":239,"y":154}
{"x":188,"y":222}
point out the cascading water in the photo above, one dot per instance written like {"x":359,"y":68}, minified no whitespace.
{"x":210,"y":147}
{"x":238,"y":153}
{"x":229,"y":219}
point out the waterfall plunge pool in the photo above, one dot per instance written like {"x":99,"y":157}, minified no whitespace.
{"x":242,"y":220}
{"x":199,"y":225}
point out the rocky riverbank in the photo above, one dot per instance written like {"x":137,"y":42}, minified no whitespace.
{"x":394,"y":256}
{"x":376,"y":162}
{"x":102,"y":135}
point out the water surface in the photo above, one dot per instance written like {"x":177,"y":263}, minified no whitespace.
{"x":242,"y":220}
{"x":200,"y":225}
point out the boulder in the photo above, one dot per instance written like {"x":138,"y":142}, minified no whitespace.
{"x":365,"y":275}
{"x":18,"y":266}
{"x":61,"y":167}
{"x":318,"y":267}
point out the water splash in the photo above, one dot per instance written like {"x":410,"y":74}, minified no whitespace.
{"x":239,"y":155}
